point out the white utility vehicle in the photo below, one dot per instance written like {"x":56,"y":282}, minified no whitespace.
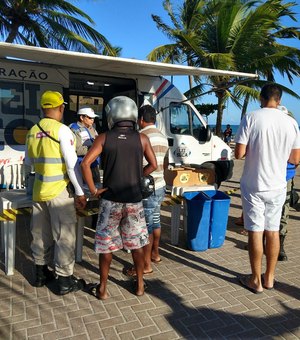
{"x":89,"y":79}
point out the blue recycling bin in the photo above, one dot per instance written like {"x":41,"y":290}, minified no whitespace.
{"x":198,"y":220}
{"x":207,"y":217}
{"x":220,"y":203}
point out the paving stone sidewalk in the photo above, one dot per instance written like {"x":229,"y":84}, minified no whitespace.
{"x":191,"y":295}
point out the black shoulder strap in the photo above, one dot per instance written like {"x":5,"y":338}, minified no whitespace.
{"x":46,"y":133}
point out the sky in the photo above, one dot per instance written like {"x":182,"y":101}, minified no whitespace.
{"x":128,"y":24}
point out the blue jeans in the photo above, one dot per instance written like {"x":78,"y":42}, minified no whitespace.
{"x":152,"y":209}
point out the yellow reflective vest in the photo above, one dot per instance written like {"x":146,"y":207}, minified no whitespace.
{"x":50,"y":170}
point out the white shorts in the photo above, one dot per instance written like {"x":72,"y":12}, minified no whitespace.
{"x":262,"y":210}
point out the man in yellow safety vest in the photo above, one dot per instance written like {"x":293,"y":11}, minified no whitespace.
{"x":50,"y":148}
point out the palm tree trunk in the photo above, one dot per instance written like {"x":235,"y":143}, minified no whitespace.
{"x":191,"y":82}
{"x":12,"y":34}
{"x":190,"y":77}
{"x":245,"y":105}
{"x":219,"y":114}
{"x":191,"y":86}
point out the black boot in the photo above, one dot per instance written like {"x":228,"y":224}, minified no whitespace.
{"x":67,"y":284}
{"x":282,"y":255}
{"x":43,"y":275}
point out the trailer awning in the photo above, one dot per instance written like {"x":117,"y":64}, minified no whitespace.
{"x":86,"y":61}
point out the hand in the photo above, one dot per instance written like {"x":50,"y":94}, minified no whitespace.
{"x":99,"y":192}
{"x":80,"y":202}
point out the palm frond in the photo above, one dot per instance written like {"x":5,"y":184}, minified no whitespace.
{"x":166,"y":53}
{"x":168,"y":7}
{"x":45,"y":22}
{"x":167,"y":30}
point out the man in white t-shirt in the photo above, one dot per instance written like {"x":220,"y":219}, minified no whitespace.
{"x":268,"y":139}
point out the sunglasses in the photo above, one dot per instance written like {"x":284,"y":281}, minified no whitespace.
{"x":89,"y":117}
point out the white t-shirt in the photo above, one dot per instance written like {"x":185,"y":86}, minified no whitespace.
{"x":67,"y":140}
{"x":270,"y":136}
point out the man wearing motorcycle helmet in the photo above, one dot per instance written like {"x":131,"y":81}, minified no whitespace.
{"x":121,"y":221}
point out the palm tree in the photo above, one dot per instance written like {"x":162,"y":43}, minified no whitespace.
{"x":269,"y":55}
{"x":50,"y":23}
{"x":241,"y":36}
{"x":184,"y":33}
{"x":236,"y":35}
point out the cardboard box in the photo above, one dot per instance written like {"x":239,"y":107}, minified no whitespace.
{"x":186,"y":176}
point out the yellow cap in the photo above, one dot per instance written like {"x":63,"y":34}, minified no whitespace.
{"x":51,"y":99}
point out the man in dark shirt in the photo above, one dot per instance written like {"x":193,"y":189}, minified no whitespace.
{"x":122,"y":150}
{"x":227,"y":134}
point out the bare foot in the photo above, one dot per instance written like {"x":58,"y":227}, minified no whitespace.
{"x":148,"y":270}
{"x":102,"y":293}
{"x":131,"y":272}
{"x":155,"y":257}
{"x":247,"y":282}
{"x":268,"y":282}
{"x":140,"y":290}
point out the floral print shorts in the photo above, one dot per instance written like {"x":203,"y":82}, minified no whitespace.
{"x":120,"y":225}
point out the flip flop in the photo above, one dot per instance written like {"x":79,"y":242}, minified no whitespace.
{"x":131,"y":272}
{"x":244,"y":281}
{"x":263,"y":283}
{"x":156,"y":261}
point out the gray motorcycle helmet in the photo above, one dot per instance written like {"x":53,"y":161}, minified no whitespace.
{"x":147,"y":186}
{"x":119,"y":109}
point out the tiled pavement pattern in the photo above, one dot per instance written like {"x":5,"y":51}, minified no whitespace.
{"x":191,"y":295}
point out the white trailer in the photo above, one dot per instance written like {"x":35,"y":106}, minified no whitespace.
{"x":89,"y":79}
